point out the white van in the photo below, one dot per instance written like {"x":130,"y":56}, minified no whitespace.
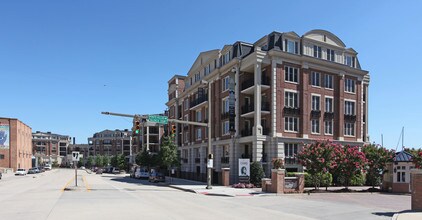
{"x":141,"y":173}
{"x":47,"y":167}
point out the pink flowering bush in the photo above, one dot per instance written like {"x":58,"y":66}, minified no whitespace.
{"x":348,"y":161}
{"x":317,"y":158}
{"x":377,"y":158}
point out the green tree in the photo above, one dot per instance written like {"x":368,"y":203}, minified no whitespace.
{"x":257,"y":173}
{"x":113,"y":161}
{"x":106,"y":160}
{"x":121,"y":162}
{"x":89,"y":162}
{"x":377,"y":157}
{"x":416,"y":156}
{"x":99,"y":161}
{"x":168,"y":154}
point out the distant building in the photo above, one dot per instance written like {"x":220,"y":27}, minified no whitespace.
{"x":15,"y":144}
{"x":110,"y":143}
{"x":150,"y":136}
{"x":83,"y":150}
{"x":49,"y":147}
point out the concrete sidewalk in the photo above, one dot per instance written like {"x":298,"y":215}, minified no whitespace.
{"x":200,"y":188}
{"x":407,"y":216}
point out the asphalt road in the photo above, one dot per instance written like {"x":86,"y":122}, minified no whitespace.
{"x":53,"y":195}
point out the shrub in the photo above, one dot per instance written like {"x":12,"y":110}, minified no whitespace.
{"x":257,"y":173}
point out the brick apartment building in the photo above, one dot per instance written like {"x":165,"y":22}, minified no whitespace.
{"x":49,"y":147}
{"x":268,"y":99}
{"x":111,"y":143}
{"x":15,"y":144}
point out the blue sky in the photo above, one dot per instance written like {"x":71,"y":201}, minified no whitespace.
{"x":63,"y":62}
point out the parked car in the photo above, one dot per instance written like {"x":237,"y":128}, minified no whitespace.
{"x":1,"y":175}
{"x":33,"y":170}
{"x":41,"y":169}
{"x":141,"y":173}
{"x":20,"y":171}
{"x":156,"y":177}
{"x":99,"y":171}
{"x":47,"y":167}
{"x":116,"y":171}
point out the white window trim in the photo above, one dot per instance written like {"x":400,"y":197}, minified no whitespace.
{"x":224,"y":126}
{"x":312,"y":83}
{"x":345,"y":91}
{"x":199,"y":131}
{"x":298,"y":75}
{"x":223,"y":100}
{"x":317,"y":95}
{"x":355,"y":106}
{"x":298,"y":124}
{"x":354,"y":130}
{"x":332,"y":127}
{"x":325,"y":103}
{"x":292,"y":91}
{"x":332,"y":82}
{"x":224,"y":83}
{"x":312,"y":126}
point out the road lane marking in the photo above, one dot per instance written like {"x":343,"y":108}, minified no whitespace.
{"x":67,"y":184}
{"x":86,"y":184}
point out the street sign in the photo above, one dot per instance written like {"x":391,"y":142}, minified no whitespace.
{"x":158,"y":119}
{"x":75,"y":155}
{"x":210,"y":163}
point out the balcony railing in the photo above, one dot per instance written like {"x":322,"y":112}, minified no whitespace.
{"x":184,"y":160}
{"x":265,"y":106}
{"x":291,"y":160}
{"x":199,"y":100}
{"x":247,"y":83}
{"x":197,"y":160}
{"x":291,"y":111}
{"x":246,"y":132}
{"x":225,"y":160}
{"x":247,"y":108}
{"x":349,"y":117}
{"x":265,"y":81}
{"x":315,"y":113}
{"x":328,"y":115}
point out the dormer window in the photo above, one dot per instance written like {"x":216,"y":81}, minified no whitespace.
{"x":317,"y":51}
{"x":349,"y":61}
{"x":291,"y":46}
{"x":226,"y":58}
{"x":330,"y":55}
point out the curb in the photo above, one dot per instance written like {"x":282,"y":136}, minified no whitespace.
{"x":182,"y":189}
{"x":395,"y":216}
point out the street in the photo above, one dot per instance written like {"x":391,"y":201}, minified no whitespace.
{"x":53,"y":195}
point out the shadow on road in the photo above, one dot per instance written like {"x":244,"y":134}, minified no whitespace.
{"x":390,"y":214}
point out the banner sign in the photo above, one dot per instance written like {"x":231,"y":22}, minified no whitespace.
{"x":244,"y":170}
{"x":4,"y":137}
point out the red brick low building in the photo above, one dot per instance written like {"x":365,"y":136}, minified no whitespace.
{"x":15,"y":144}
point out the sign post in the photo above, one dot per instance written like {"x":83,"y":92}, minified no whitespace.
{"x":158,"y":119}
{"x":244,"y":170}
{"x":75,"y":159}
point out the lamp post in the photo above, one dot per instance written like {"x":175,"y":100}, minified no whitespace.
{"x":210,"y":157}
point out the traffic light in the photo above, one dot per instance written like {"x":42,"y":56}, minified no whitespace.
{"x":173,"y":130}
{"x":137,"y":127}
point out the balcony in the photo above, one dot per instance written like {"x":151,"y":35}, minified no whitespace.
{"x":246,"y":132}
{"x":248,"y":108}
{"x":291,"y":111}
{"x":328,"y":115}
{"x":265,"y":106}
{"x":225,"y":160}
{"x":197,"y":160}
{"x":315,"y":114}
{"x":349,"y":117}
{"x":247,"y":84}
{"x":184,"y":160}
{"x":291,"y":160}
{"x":196,"y":103}
{"x":265,"y":131}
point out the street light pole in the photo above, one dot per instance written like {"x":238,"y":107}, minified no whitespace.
{"x":210,"y":157}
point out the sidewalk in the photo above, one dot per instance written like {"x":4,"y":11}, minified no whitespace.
{"x":200,"y":188}
{"x":407,"y":216}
